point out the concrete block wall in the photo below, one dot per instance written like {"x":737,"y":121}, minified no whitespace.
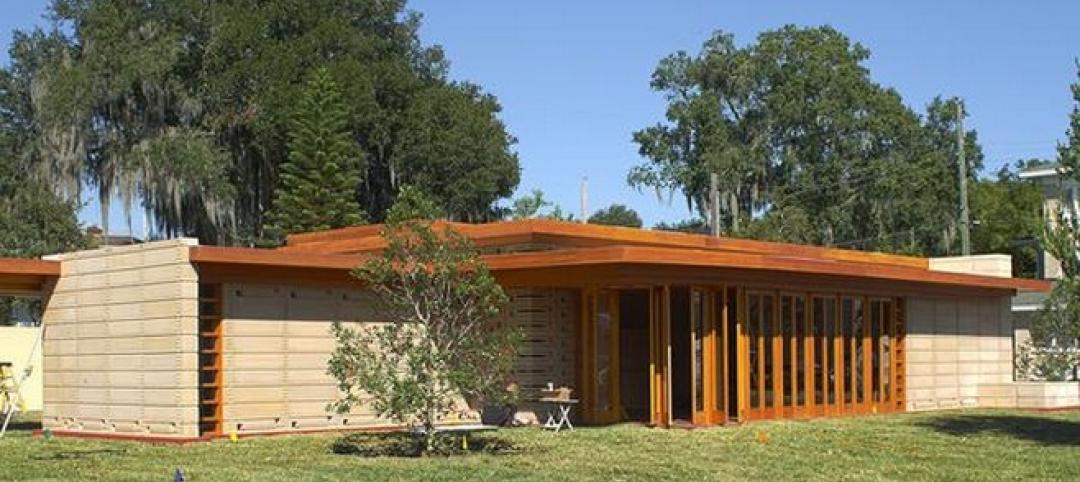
{"x":954,"y":347}
{"x":277,"y":342}
{"x":548,"y":318}
{"x":997,"y":265}
{"x":120,"y":342}
{"x":1038,"y":395}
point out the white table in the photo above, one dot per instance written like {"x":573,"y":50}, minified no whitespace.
{"x":558,"y":413}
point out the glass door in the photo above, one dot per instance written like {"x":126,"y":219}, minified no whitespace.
{"x":701,"y":363}
{"x":600,"y":363}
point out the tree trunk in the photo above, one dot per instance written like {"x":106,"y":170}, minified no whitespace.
{"x":429,"y":431}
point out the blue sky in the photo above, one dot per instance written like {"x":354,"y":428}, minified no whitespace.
{"x":573,"y":76}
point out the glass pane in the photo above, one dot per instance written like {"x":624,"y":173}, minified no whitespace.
{"x":831,"y":335}
{"x":768,"y":333}
{"x":886,"y":351}
{"x":846,"y":322}
{"x":821,"y":347}
{"x":875,"y":349}
{"x":697,"y":323}
{"x":858,"y":327}
{"x":603,"y":352}
{"x":721,"y":348}
{"x":753,"y":330}
{"x":800,"y":350}
{"x":787,"y":333}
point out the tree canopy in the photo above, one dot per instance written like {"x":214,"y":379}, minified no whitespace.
{"x":186,"y":106}
{"x":443,"y":336}
{"x":34,"y":220}
{"x":318,"y":181}
{"x":1059,"y":321}
{"x":808,"y":148}
{"x":1007,"y":216}
{"x":616,"y":215}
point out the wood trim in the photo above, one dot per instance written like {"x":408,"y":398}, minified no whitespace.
{"x":777,"y":360}
{"x":26,"y":277}
{"x":742,"y":347}
{"x":724,"y":353}
{"x":367,"y":238}
{"x":211,"y":398}
{"x":666,"y":344}
{"x":338,"y":265}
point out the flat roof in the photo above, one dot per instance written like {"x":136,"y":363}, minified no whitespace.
{"x":26,"y":277}
{"x":1049,"y":170}
{"x":336,"y":252}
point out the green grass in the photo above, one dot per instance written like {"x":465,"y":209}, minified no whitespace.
{"x":956,"y":445}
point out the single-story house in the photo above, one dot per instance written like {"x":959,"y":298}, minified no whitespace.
{"x":173,"y":340}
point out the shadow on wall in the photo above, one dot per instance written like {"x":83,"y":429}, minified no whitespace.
{"x":1041,"y":430}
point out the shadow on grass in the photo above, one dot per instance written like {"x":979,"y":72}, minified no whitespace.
{"x":23,"y":425}
{"x":77,"y":454}
{"x":1042,"y":430}
{"x":398,"y":444}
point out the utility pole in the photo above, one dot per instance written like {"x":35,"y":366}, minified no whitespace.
{"x":584,"y":200}
{"x":714,"y":204}
{"x":961,"y":166}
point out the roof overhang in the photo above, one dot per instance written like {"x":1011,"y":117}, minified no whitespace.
{"x":26,"y":277}
{"x":619,"y":263}
{"x":1040,"y":172}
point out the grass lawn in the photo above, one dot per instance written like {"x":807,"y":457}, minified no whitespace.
{"x":955,"y":445}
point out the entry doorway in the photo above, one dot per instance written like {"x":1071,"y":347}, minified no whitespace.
{"x":615,"y":364}
{"x":634,"y":354}
{"x":662,"y":355}
{"x":704,"y":364}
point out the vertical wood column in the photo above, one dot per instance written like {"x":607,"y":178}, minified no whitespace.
{"x":899,"y":374}
{"x":210,"y":360}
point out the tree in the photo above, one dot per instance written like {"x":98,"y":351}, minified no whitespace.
{"x":1007,"y":214}
{"x":1058,"y":323}
{"x":34,"y":221}
{"x":807,"y":147}
{"x":186,"y":106}
{"x":616,"y":215}
{"x":413,"y":204}
{"x":692,"y":226}
{"x":318,"y":182}
{"x":534,"y":205}
{"x":442,"y":338}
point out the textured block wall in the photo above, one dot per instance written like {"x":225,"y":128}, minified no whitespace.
{"x":548,"y":318}
{"x":120,"y":342}
{"x":277,"y":342}
{"x":954,"y":346}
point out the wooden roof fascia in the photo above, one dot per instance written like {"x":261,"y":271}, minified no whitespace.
{"x":636,"y":255}
{"x":26,"y":277}
{"x":779,"y":263}
{"x":34,"y":267}
{"x":363,"y":239}
{"x":272,"y":257}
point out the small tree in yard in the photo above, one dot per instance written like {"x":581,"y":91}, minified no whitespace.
{"x":1055,"y":331}
{"x":443,"y":338}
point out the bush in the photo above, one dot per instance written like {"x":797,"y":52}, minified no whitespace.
{"x":1052,"y":364}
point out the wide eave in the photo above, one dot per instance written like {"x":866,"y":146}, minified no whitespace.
{"x":630,"y":256}
{"x":26,"y":277}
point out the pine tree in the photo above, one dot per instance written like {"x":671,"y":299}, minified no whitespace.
{"x":317,"y":184}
